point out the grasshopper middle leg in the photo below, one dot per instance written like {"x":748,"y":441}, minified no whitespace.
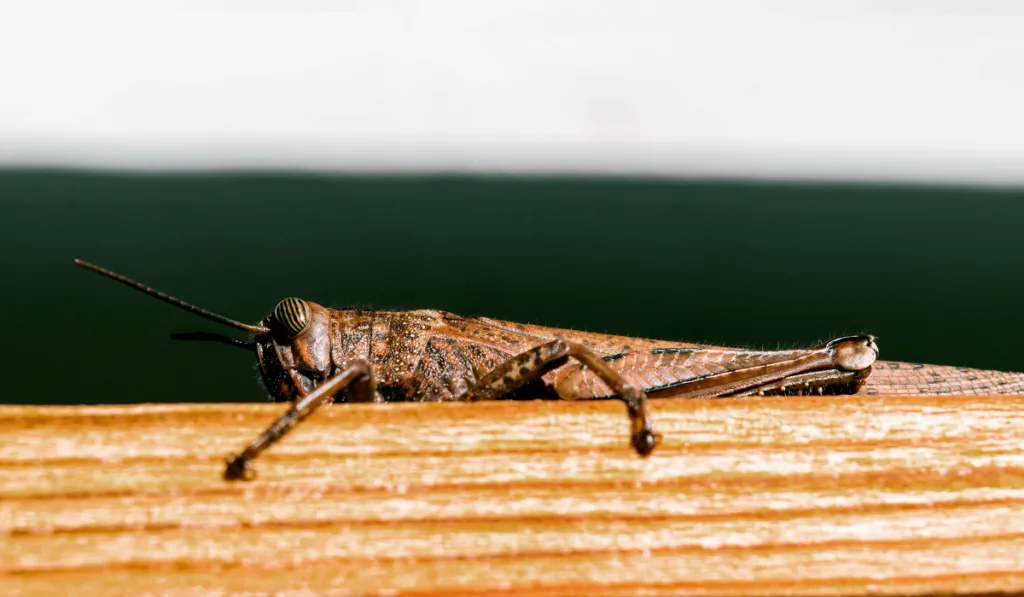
{"x":532,"y":364}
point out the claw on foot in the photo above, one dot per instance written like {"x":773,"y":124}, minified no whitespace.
{"x":645,"y":441}
{"x":238,"y":470}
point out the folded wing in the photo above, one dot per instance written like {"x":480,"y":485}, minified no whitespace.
{"x":691,"y":372}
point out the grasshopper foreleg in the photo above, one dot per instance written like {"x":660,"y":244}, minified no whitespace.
{"x":356,"y":377}
{"x":532,"y":364}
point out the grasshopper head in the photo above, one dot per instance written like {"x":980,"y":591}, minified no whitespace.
{"x":295,"y":355}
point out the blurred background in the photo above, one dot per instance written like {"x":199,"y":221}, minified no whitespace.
{"x":734,"y":172}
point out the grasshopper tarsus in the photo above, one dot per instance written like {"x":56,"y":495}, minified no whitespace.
{"x":238,"y":469}
{"x":645,"y":442}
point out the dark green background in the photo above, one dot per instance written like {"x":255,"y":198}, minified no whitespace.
{"x":934,"y":272}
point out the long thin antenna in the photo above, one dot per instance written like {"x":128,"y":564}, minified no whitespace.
{"x":252,"y":329}
{"x":208,"y":337}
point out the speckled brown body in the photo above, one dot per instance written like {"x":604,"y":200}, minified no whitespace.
{"x":430,"y":355}
{"x":311,"y":355}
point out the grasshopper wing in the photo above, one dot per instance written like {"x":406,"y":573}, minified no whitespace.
{"x":704,"y":372}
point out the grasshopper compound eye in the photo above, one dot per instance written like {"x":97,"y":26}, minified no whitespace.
{"x":293,"y":315}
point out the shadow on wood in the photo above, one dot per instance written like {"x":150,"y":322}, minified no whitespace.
{"x":835,"y":495}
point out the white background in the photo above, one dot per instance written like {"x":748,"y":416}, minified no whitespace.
{"x":926,"y":90}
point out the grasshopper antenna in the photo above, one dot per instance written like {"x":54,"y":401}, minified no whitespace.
{"x":209,"y":337}
{"x":252,"y":329}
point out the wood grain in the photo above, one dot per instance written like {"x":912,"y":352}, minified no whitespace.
{"x":794,"y":495}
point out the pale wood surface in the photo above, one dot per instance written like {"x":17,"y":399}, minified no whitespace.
{"x":817,"y":496}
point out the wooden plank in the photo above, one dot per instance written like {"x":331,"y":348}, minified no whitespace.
{"x":800,"y":495}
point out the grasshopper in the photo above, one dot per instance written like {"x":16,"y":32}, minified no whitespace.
{"x":311,"y":355}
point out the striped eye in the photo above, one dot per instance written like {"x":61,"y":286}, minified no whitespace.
{"x":293,"y":315}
